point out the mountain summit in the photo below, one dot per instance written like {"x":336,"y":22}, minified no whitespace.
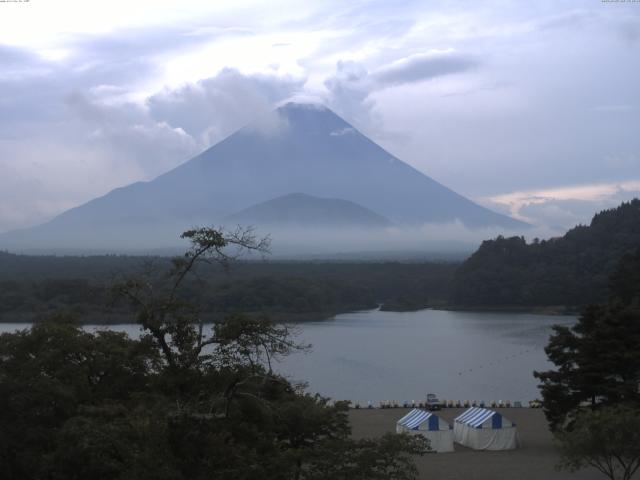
{"x":297,"y":148}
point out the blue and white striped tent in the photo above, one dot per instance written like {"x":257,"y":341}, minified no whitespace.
{"x":436,"y":430}
{"x":484,"y":429}
{"x":477,"y":417}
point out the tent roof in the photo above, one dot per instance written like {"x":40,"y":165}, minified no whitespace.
{"x":415,"y":418}
{"x":475,"y":416}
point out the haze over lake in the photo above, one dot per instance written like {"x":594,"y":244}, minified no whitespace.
{"x":374,"y":355}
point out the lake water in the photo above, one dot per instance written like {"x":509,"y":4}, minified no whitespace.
{"x":373,"y":355}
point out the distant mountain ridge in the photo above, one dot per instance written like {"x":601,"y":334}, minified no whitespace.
{"x":570,"y":270}
{"x":302,"y":210}
{"x":298,"y":147}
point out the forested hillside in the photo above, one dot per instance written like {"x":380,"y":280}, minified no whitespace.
{"x":571,"y":270}
{"x":34,"y":287}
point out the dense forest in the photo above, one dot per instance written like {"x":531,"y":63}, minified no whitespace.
{"x":567,"y":272}
{"x":181,"y":402}
{"x":572,"y":270}
{"x":34,"y":287}
{"x":597,"y":358}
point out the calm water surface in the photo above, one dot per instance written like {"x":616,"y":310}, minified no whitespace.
{"x":373,"y":355}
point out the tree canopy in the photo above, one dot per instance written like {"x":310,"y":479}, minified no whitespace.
{"x":32,"y":288}
{"x":607,"y":439}
{"x":597,"y":360}
{"x":572,"y":270}
{"x":179,"y":402}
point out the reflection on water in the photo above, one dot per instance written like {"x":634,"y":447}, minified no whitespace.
{"x":374,"y":355}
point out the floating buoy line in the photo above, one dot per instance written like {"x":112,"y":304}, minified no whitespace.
{"x":498,"y":361}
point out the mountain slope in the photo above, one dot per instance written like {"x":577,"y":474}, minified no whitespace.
{"x":570,"y":270}
{"x":305,"y":148}
{"x":301,"y":210}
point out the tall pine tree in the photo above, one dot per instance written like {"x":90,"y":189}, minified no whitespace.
{"x":598,"y":359}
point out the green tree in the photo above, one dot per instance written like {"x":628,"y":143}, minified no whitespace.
{"x":571,"y":270}
{"x":49,"y":374}
{"x":180,"y":402}
{"x":607,"y":439}
{"x":390,"y":457}
{"x":173,"y":323}
{"x":597,"y":359}
{"x":598,"y":363}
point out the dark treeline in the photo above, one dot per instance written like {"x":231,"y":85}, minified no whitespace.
{"x":183,"y":401}
{"x":569,"y":272}
{"x":597,"y":360}
{"x":33,"y":287}
{"x":572,"y":270}
{"x":591,"y":397}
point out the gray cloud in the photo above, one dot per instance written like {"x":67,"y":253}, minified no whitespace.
{"x":34,"y":89}
{"x":15,"y":58}
{"x":84,"y":140}
{"x":174,"y":125}
{"x":355,"y":79}
{"x":133,"y":54}
{"x":129,"y":135}
{"x":348,"y":93}
{"x":559,"y":209}
{"x":421,"y":67}
{"x":561,"y":215}
{"x":350,"y":89}
{"x":522,"y":96}
{"x":565,"y":20}
{"x":212,"y":108}
{"x":629,"y":30}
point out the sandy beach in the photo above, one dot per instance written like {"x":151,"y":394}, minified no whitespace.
{"x":534,"y":460}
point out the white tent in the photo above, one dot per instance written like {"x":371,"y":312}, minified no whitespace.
{"x":483,"y":429}
{"x":436,"y":430}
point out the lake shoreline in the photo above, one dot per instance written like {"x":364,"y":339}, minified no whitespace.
{"x":559,"y":310}
{"x":105,"y":319}
{"x":102,"y":319}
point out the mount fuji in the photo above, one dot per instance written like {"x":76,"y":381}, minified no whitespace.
{"x":298,"y":148}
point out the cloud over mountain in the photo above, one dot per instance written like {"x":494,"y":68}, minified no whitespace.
{"x":210,"y":109}
{"x":251,"y":175}
{"x":487,"y":98}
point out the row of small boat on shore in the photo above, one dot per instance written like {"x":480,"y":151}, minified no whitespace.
{"x":450,"y":404}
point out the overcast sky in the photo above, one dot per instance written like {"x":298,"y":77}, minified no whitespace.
{"x":530,"y":107}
